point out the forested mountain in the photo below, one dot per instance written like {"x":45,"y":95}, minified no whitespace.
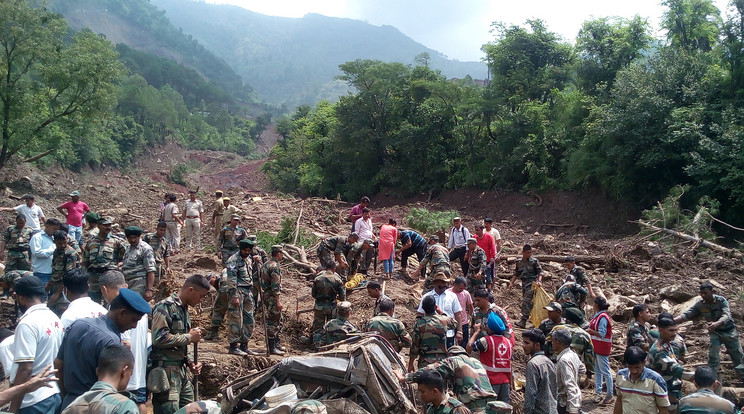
{"x":142,"y":27}
{"x":293,"y":61}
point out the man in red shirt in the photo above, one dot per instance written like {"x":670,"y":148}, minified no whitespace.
{"x":74,"y":210}
{"x":486,"y":242}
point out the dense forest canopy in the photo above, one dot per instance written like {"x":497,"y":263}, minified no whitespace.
{"x":618,"y":110}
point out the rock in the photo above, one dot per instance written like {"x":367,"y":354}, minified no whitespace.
{"x":717,"y":285}
{"x":680,"y":308}
{"x":675,"y":293}
{"x":621,"y":307}
{"x":206,"y":263}
{"x":654,"y":249}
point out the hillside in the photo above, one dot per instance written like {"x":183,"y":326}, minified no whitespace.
{"x":293,"y":61}
{"x":141,"y":26}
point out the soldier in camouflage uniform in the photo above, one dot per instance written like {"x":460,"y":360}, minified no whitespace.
{"x":529,"y":271}
{"x":161,"y":249}
{"x":638,"y":329}
{"x":168,"y":380}
{"x":64,"y":259}
{"x":374,"y":290}
{"x":661,"y":358}
{"x":438,"y":256}
{"x":477,"y":262}
{"x":471,"y":385}
{"x":483,"y":307}
{"x":705,"y":400}
{"x":429,"y":342}
{"x":434,"y":394}
{"x":101,"y":253}
{"x":92,"y":219}
{"x":546,"y":326}
{"x":239,"y":282}
{"x":580,"y":277}
{"x":389,"y":327}
{"x":138,"y":263}
{"x":270,"y":281}
{"x":338,"y":329}
{"x":715,"y":310}
{"x":15,"y":239}
{"x":259,"y":257}
{"x":327,"y":288}
{"x":336,"y":246}
{"x":10,"y":277}
{"x":570,"y":294}
{"x":581,"y":342}
{"x":354,"y":257}
{"x":229,"y":238}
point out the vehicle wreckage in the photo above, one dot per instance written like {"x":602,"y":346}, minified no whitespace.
{"x":352,"y":376}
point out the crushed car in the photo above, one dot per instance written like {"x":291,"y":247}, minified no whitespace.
{"x":353,"y":376}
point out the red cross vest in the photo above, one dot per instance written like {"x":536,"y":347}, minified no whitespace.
{"x":602,"y":346}
{"x":497,"y":359}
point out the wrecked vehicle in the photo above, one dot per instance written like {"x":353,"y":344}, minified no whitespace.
{"x":354,"y":376}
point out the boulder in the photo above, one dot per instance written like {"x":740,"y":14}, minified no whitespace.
{"x":621,"y":307}
{"x":675,"y":293}
{"x":680,"y":308}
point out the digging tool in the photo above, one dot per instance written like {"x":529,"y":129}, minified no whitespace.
{"x":265,"y":315}
{"x":196,"y":376}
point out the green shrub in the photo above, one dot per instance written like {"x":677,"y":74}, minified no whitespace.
{"x":430,"y":222}
{"x":286,"y":234}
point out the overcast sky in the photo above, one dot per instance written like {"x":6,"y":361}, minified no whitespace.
{"x":459,"y":28}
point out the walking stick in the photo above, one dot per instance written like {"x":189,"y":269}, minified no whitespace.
{"x":265,"y":316}
{"x":196,"y":376}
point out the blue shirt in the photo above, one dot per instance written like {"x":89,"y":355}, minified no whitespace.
{"x":42,"y":248}
{"x":415,"y":239}
{"x":601,"y":325}
{"x":83,"y":342}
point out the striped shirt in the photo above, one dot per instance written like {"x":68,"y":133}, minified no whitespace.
{"x":644,"y":395}
{"x":415,"y":238}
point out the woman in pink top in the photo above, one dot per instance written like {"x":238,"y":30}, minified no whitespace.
{"x":388,"y":236}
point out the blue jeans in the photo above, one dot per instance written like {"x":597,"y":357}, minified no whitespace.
{"x":43,"y":276}
{"x":76,"y":232}
{"x":602,"y":370}
{"x":387,"y":264}
{"x":45,"y":406}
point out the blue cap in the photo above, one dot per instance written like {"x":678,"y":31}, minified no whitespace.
{"x":134,"y":300}
{"x":495,"y":324}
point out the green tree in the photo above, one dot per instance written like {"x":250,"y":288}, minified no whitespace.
{"x":45,"y":80}
{"x":691,"y":24}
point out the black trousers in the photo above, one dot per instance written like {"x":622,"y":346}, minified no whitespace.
{"x":459,"y":253}
{"x":420,"y":252}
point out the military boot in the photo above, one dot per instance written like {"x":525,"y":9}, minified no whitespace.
{"x":248,"y":351}
{"x":273,"y":349}
{"x":212,"y":334}
{"x":234,"y":350}
{"x":279,"y":345}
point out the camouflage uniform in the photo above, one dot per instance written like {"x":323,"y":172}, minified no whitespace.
{"x":638,"y":334}
{"x":471,"y":386}
{"x":72,"y":242}
{"x":528,"y":271}
{"x":12,"y":276}
{"x":161,"y":249}
{"x":219,"y":309}
{"x":102,"y":399}
{"x":16,"y":241}
{"x":482,"y":319}
{"x":705,"y":401}
{"x":228,"y":241}
{"x":448,"y":406}
{"x":546,"y":326}
{"x":581,"y":343}
{"x":330,"y":247}
{"x":569,"y":295}
{"x":376,"y":311}
{"x":580,"y":276}
{"x":62,"y":262}
{"x":335,"y":330}
{"x":354,"y":256}
{"x":725,"y":334}
{"x":477,"y":262}
{"x":100,"y":255}
{"x":270,"y":282}
{"x":661,"y":358}
{"x":391,"y":329}
{"x":137,"y":263}
{"x":438,"y":256}
{"x":327,"y":286}
{"x":170,"y":339}
{"x":239,"y":283}
{"x":429,"y":342}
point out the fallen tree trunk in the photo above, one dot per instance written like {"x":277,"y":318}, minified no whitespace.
{"x":697,"y":241}
{"x":39,"y":156}
{"x":560,"y":259}
{"x":302,"y":262}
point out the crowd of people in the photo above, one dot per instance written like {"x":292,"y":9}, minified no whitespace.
{"x":88,"y":292}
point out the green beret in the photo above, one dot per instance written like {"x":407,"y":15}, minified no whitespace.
{"x":133,"y":231}
{"x":574,"y":315}
{"x":276,"y":249}
{"x":245,"y":244}
{"x":92,"y":217}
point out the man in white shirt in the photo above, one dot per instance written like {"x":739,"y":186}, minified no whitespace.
{"x":447,"y":303}
{"x":365,"y":230}
{"x":81,"y":305}
{"x":32,"y":212}
{"x":458,"y":244}
{"x":37,"y":339}
{"x":139,"y":339}
{"x":567,"y":371}
{"x":42,"y":248}
{"x":192,"y":218}
{"x":172,"y":218}
{"x":6,"y":351}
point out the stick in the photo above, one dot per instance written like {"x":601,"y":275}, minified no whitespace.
{"x":297,"y":225}
{"x":196,"y":376}
{"x":696,"y":240}
{"x":384,"y":282}
{"x":38,"y":156}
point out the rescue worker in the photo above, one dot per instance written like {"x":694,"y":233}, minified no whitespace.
{"x":15,"y":239}
{"x":101,"y":253}
{"x":161,"y":249}
{"x":438,"y":256}
{"x":529,"y":271}
{"x":390,"y":328}
{"x":336,"y":247}
{"x":138,"y":263}
{"x":240,"y":320}
{"x":327,"y":288}
{"x":429,"y":338}
{"x":571,"y":294}
{"x":477,"y":262}
{"x":64,"y":259}
{"x":661,"y":359}
{"x":229,"y":238}
{"x":270,"y":281}
{"x":338,"y":329}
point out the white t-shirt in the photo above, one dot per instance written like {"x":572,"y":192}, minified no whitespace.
{"x":37,"y":339}
{"x":139,"y":339}
{"x":32,"y":215}
{"x":6,"y":354}
{"x":447,"y":302}
{"x":82,"y":308}
{"x":364,"y":229}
